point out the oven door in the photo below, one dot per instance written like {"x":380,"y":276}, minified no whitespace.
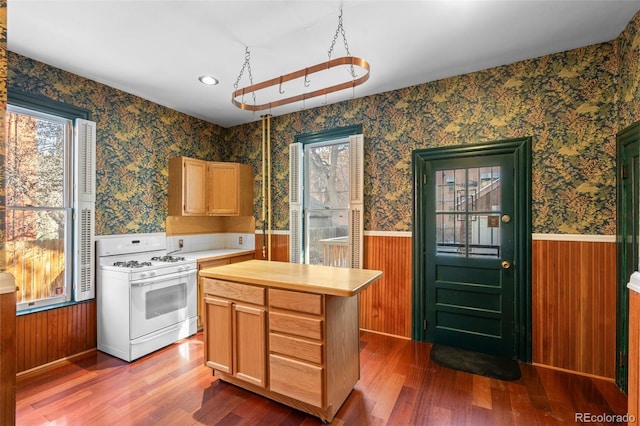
{"x":162,"y":301}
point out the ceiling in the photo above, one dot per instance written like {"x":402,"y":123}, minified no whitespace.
{"x":158,"y":49}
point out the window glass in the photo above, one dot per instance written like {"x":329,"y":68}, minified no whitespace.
{"x":326,"y":202}
{"x":468,"y":211}
{"x":38,"y":206}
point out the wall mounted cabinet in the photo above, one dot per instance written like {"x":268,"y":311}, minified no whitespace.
{"x":208,"y":188}
{"x":187,"y":184}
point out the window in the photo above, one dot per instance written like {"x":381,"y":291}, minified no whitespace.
{"x":326,"y":200}
{"x":49,"y":225}
{"x":468,"y":204}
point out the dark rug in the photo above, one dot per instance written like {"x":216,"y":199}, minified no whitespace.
{"x":477,"y":363}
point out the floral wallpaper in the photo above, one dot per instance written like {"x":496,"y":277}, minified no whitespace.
{"x":566,"y":102}
{"x":571,"y":104}
{"x":135,"y":139}
{"x":629,"y":47}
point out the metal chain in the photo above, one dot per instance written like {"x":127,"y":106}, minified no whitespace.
{"x":247,"y":65}
{"x":340,"y":30}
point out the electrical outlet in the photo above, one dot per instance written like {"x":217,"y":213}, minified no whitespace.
{"x":240,"y":240}
{"x":180,"y":243}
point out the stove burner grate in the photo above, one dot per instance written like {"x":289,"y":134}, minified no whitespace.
{"x":167,"y":259}
{"x":132,"y":264}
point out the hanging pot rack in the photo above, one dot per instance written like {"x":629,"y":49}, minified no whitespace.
{"x":305,"y":72}
{"x":348,"y":60}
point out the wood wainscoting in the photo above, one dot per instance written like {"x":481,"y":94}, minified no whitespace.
{"x":279,"y":247}
{"x":385,"y":306}
{"x":574,"y":306}
{"x":7,"y":358}
{"x":55,"y":334}
{"x":573,"y":297}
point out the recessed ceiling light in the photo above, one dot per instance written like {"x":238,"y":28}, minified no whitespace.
{"x":208,"y":80}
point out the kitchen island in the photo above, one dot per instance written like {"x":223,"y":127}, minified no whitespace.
{"x":286,"y":331}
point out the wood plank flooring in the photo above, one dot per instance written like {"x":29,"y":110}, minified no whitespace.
{"x":399,"y":385}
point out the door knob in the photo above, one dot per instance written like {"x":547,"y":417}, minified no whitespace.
{"x":506,"y":264}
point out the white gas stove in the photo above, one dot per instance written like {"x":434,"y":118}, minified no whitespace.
{"x":146,"y":297}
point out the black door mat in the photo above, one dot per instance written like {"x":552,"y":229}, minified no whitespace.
{"x":476,"y":363}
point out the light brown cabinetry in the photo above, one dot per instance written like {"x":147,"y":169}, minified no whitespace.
{"x":297,"y":345}
{"x":312,"y":356}
{"x":230,"y":189}
{"x":211,"y":263}
{"x":187,"y":183}
{"x":235,"y":322}
{"x":312,"y":352}
{"x":208,"y":188}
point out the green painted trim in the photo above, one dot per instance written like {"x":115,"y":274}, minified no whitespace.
{"x":45,"y":105}
{"x":329,"y":134}
{"x":626,"y":137}
{"x":521,"y":149}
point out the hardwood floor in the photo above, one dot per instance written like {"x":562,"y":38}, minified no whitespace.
{"x":399,"y":385}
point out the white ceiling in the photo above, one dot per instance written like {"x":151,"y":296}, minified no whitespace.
{"x":157,"y":49}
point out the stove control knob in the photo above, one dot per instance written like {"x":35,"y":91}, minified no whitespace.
{"x":152,"y":273}
{"x":143,"y":274}
{"x":180,"y":269}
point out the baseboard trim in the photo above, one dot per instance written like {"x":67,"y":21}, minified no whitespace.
{"x":35,"y":371}
{"x":385,"y":334}
{"x":578,"y":373}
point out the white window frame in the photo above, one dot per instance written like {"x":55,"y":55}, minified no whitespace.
{"x":79,"y":205}
{"x":356,"y":198}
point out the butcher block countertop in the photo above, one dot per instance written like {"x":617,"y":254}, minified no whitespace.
{"x":344,"y":282}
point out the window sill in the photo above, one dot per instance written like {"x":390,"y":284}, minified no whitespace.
{"x":49,"y":307}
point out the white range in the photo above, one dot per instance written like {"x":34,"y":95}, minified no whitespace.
{"x":146,"y":298}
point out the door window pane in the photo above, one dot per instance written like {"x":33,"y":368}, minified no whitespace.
{"x":468,"y":203}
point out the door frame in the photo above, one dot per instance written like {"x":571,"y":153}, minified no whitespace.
{"x":625,"y":137}
{"x":521,"y":150}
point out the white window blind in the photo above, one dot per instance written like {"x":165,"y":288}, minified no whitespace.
{"x":84,"y":208}
{"x":295,"y":202}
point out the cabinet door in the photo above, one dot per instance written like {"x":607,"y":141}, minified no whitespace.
{"x":250,"y":349}
{"x":194,"y":186}
{"x":223,"y":189}
{"x":201,"y":265}
{"x":219,"y":334}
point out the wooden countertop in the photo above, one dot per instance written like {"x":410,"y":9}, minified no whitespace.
{"x":319,"y":279}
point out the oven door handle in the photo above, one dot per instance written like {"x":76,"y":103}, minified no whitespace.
{"x":163,"y":278}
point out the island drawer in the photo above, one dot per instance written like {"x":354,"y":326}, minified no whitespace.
{"x":236,"y":291}
{"x":304,"y":349}
{"x":297,"y":325}
{"x":296,"y":301}
{"x":297,"y":380}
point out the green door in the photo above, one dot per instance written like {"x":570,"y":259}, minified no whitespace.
{"x":628,"y":223}
{"x":471,"y":250}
